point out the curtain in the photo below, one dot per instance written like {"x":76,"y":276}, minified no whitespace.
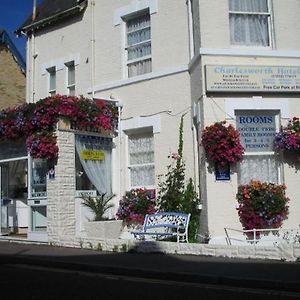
{"x":141,"y":159}
{"x":249,"y":29}
{"x":258,"y":167}
{"x":99,"y":172}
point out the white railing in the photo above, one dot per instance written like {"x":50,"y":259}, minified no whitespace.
{"x":254,"y":236}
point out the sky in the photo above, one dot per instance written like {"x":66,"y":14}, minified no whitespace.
{"x":12,"y":15}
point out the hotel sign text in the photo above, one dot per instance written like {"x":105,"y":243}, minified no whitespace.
{"x":221,"y":78}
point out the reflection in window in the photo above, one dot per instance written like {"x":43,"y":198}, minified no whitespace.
{"x":39,"y":178}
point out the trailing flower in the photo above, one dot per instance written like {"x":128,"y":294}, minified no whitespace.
{"x":262,"y":205}
{"x":37,"y":121}
{"x":135,"y":205}
{"x":222,"y":143}
{"x":289,"y":138}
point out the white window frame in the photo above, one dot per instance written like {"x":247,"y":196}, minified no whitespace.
{"x":275,"y":113}
{"x":52,"y":91}
{"x":70,"y":86}
{"x":126,"y":46}
{"x":130,"y":166}
{"x":270,"y":27}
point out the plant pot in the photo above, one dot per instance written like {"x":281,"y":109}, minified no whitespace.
{"x":110,"y":229}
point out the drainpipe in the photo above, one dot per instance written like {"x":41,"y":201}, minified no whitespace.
{"x":32,"y":57}
{"x":93,"y":47}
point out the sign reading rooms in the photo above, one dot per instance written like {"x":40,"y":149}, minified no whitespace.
{"x":221,"y":78}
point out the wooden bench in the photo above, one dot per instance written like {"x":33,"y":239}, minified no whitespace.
{"x":165,"y":224}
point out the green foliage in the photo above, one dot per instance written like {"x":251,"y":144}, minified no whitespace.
{"x":98,"y":205}
{"x":174,"y":195}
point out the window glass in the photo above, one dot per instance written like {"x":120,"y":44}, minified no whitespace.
{"x":39,"y":218}
{"x":93,"y":163}
{"x":71,"y":78}
{"x":249,"y":22}
{"x":141,"y":160}
{"x":12,"y":149}
{"x":257,"y":132}
{"x":39,"y":178}
{"x":52,"y":81}
{"x":139,"y":45}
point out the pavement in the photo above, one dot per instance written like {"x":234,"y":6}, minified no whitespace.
{"x":247,"y":273}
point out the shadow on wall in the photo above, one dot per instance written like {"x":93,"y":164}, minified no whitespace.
{"x":292,"y":159}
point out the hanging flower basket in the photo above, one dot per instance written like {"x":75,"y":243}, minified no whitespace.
{"x":222,"y":144}
{"x":288,"y":139}
{"x":37,"y":122}
{"x":262,"y":205}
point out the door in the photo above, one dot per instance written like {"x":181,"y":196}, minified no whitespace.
{"x":4,"y":201}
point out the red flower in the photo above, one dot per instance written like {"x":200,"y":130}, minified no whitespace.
{"x":222,"y":143}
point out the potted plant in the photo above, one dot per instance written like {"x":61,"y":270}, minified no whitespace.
{"x":262,"y":205}
{"x":135,"y":205}
{"x":101,"y":226}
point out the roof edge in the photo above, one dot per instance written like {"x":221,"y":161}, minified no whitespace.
{"x":35,"y":25}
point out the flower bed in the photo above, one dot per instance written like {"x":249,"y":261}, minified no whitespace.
{"x":135,"y":205}
{"x":262,"y":205}
{"x":37,"y":121}
{"x":222,"y":143}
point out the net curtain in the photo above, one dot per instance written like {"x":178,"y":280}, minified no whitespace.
{"x":99,"y":172}
{"x":249,"y":29}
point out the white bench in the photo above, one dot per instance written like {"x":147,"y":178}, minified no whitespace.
{"x":165,"y":224}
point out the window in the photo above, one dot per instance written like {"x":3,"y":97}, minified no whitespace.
{"x":93,"y":163}
{"x":249,"y":22}
{"x":257,"y":130}
{"x":138,"y":32}
{"x":38,"y":187}
{"x":71,"y":78}
{"x":141,"y":160}
{"x":52,"y":81}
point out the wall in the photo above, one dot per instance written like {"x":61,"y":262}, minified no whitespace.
{"x":12,"y":80}
{"x":61,"y":192}
{"x":219,"y":198}
{"x":98,"y":50}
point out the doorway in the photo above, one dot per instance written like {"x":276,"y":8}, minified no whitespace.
{"x":13,"y":196}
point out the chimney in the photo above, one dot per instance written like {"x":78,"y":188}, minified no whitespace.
{"x":34,"y":10}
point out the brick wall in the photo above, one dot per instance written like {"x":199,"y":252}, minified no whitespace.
{"x":12,"y":80}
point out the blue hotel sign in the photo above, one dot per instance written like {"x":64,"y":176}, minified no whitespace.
{"x":225,"y":78}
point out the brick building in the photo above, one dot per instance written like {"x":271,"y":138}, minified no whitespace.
{"x":12,"y":73}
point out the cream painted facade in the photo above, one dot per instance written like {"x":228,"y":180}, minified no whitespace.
{"x":95,"y":42}
{"x":212,"y":46}
{"x":186,"y":36}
